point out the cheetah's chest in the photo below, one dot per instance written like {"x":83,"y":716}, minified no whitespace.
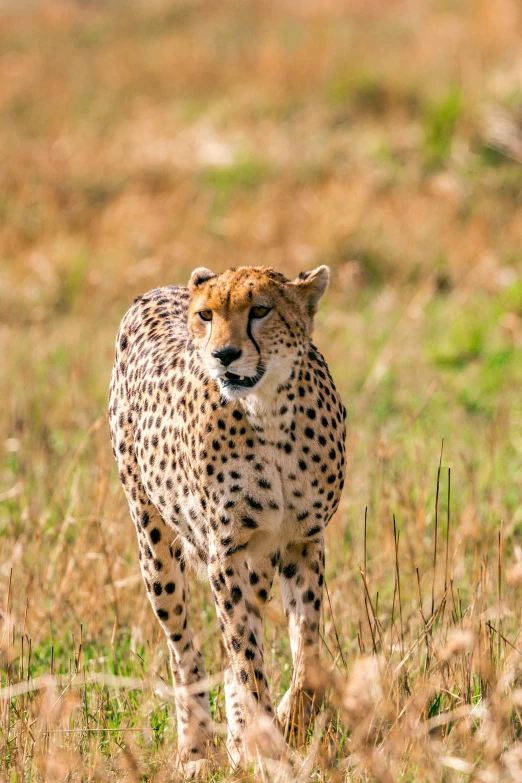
{"x":310,"y":467}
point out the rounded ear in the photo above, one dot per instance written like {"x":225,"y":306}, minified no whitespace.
{"x":200,"y":276}
{"x":310,"y":286}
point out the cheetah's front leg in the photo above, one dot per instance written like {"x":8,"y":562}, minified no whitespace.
{"x":163,"y":571}
{"x":302,"y":577}
{"x":260,"y":577}
{"x":239,"y":593}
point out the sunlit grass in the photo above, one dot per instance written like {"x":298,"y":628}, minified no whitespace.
{"x":382,"y":139}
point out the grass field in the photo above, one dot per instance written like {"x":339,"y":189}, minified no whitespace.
{"x":382,"y":137}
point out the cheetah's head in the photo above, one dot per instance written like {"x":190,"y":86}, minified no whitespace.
{"x":251,"y":325}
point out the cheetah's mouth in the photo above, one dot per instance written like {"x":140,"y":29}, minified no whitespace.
{"x":243,"y":381}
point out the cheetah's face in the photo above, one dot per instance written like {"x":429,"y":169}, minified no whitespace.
{"x":251,"y":325}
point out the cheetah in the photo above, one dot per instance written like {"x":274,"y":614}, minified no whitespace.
{"x":229,"y":437}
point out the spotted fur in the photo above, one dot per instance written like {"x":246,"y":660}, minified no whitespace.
{"x":233,"y":481}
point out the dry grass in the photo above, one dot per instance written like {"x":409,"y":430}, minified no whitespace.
{"x":383,"y":138}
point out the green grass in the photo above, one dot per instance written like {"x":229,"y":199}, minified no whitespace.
{"x":440,"y":125}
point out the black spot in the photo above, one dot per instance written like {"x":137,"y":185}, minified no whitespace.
{"x":145,"y":518}
{"x":155,"y":535}
{"x":158,"y":589}
{"x":247,"y":521}
{"x":170,"y":587}
{"x":234,"y":549}
{"x":253,"y":578}
{"x":162,"y":614}
{"x":236,"y":594}
{"x":309,"y":432}
{"x":289,"y":571}
{"x":308,"y":596}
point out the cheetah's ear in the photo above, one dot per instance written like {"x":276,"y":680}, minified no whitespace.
{"x":311,"y":286}
{"x":200,"y":276}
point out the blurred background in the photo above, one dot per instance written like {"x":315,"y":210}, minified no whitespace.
{"x":142,"y":139}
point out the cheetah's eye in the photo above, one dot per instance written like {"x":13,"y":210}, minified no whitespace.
{"x":205,"y":315}
{"x":258,"y":311}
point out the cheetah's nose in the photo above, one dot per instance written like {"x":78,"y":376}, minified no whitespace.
{"x":227,"y":355}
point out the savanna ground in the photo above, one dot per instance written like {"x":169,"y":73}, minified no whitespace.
{"x":142,"y":139}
